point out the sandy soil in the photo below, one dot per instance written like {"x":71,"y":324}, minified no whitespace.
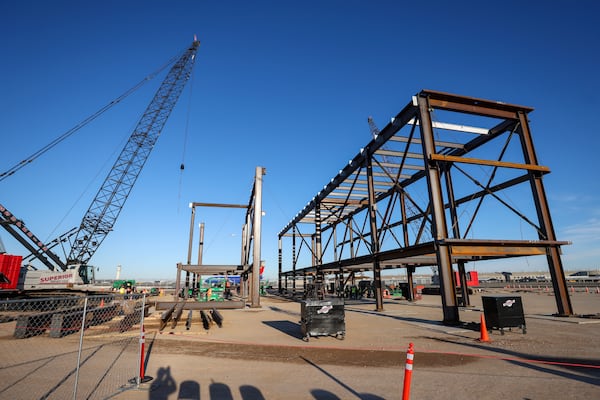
{"x":260,"y":354}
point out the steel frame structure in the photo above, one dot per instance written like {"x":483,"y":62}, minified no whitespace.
{"x":249,"y":267}
{"x":449,"y":180}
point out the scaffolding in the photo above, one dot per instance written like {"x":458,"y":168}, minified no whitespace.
{"x":448,"y":181}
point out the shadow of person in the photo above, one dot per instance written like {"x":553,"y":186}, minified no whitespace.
{"x":220,"y":391}
{"x":189,"y":390}
{"x":163,"y":385}
{"x":249,"y":392}
{"x":320,"y":394}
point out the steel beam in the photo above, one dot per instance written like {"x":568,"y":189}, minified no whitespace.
{"x":200,"y":305}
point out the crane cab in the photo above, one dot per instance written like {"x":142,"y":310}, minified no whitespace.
{"x":76,"y":276}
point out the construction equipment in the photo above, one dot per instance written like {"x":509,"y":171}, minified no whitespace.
{"x":110,"y":199}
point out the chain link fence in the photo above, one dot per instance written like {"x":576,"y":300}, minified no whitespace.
{"x":70,"y":347}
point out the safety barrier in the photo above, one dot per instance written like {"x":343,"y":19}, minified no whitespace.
{"x":70,"y":346}
{"x":410,"y":354}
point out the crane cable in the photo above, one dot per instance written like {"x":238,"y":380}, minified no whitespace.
{"x":185,"y":139}
{"x":83,"y":123}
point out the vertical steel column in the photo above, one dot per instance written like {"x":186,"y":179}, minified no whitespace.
{"x":313,"y":259}
{"x":245,"y":254}
{"x":410,"y":270}
{"x":335,"y":244}
{"x":200,"y":252}
{"x":561,"y":293}
{"x":178,"y":281}
{"x":447,"y":287}
{"x":201,"y":243}
{"x":256,"y":225}
{"x":462,"y":274}
{"x":410,"y":296}
{"x":374,"y":235}
{"x":351,"y":237}
{"x":279,"y":265}
{"x":189,"y":257}
{"x":319,"y":276}
{"x":404,"y":219}
{"x":294,"y":259}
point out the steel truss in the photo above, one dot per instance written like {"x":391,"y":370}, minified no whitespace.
{"x":450,"y":180}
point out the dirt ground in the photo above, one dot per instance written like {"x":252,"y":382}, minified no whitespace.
{"x":260,"y":353}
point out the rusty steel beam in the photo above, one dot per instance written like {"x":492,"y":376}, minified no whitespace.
{"x":472,"y":105}
{"x":197,"y":305}
{"x":465,"y":160}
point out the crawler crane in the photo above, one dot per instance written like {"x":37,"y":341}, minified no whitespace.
{"x":98,"y":221}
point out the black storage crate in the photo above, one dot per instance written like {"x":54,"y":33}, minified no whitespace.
{"x":503,"y":312}
{"x":323,"y":318}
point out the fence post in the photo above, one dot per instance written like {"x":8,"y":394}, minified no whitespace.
{"x":142,"y":378}
{"x":85,"y":303}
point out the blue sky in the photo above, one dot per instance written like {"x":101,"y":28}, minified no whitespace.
{"x":286,"y":85}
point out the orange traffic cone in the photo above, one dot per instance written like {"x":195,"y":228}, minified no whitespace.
{"x":484,"y":333}
{"x":102,"y":303}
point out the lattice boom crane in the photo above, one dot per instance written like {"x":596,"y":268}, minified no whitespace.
{"x":110,"y":199}
{"x":108,"y":203}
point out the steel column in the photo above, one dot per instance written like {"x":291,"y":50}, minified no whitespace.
{"x":462,"y":275}
{"x":440,"y":231}
{"x":189,"y":256}
{"x":374,"y":236}
{"x":279,"y":265}
{"x":256,"y":232}
{"x":200,"y":252}
{"x":411,"y":269}
{"x":318,"y":244}
{"x":178,"y":281}
{"x":246,"y":240}
{"x":410,"y":296}
{"x":561,"y":293}
{"x":294,"y":259}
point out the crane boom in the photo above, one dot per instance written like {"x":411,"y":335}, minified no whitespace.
{"x":108,"y":203}
{"x":19,"y":231}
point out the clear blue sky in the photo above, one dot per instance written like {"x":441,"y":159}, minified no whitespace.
{"x":286,"y":85}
